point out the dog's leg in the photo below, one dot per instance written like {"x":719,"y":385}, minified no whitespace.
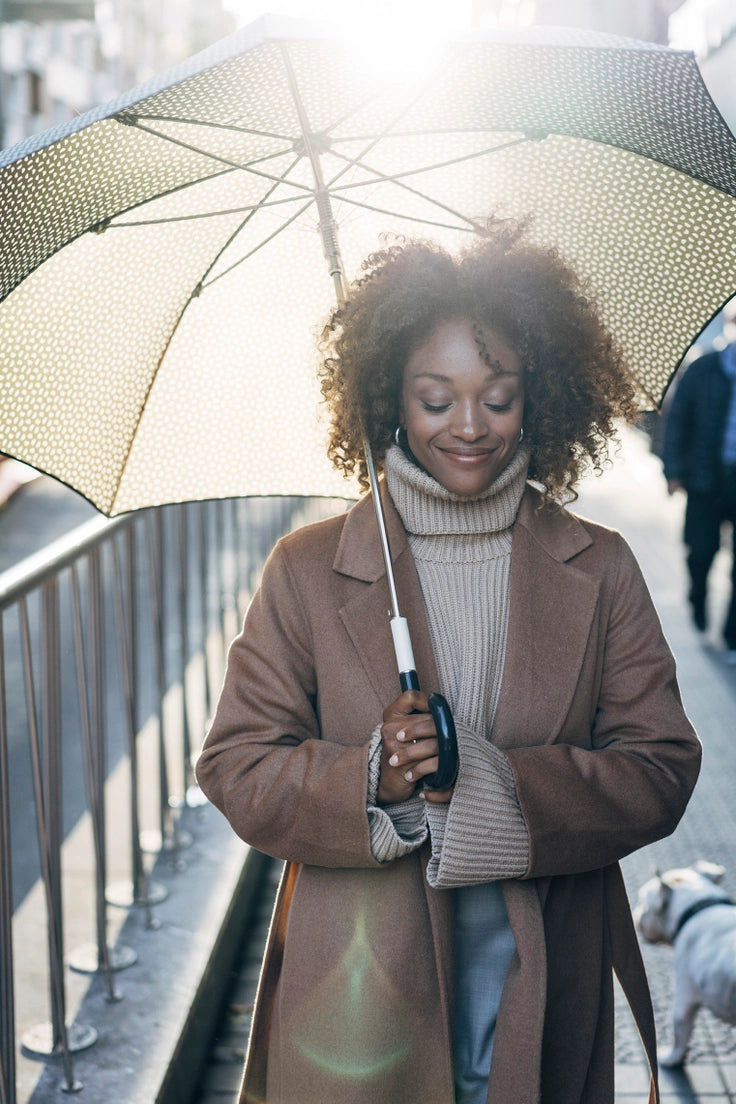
{"x":683,"y":1023}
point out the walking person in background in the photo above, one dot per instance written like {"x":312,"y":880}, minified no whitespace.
{"x":699,"y":458}
{"x":455,"y":946}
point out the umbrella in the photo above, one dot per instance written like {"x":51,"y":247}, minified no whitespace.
{"x":162,"y":274}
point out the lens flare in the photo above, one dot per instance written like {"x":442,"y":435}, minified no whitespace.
{"x":355,"y":1025}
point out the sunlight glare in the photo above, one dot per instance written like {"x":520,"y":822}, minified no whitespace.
{"x":397,"y":40}
{"x":420,"y":16}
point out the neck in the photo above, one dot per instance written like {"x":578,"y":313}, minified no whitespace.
{"x":428,"y":508}
{"x":695,"y":908}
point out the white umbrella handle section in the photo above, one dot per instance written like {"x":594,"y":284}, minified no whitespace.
{"x":447,"y":753}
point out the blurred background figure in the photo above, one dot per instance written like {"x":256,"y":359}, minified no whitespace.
{"x":699,"y":457}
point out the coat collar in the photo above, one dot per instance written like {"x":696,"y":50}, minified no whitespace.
{"x":359,"y":556}
{"x":359,"y":551}
{"x":539,"y":652}
{"x":365,"y":613}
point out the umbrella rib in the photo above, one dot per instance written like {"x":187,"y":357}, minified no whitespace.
{"x":215,"y":157}
{"x":214,"y":126}
{"x":322,"y":191}
{"x":472,"y":224}
{"x":327,"y":133}
{"x":134,"y":120}
{"x":233,"y":236}
{"x":395,"y":177}
{"x":251,"y":214}
{"x":251,"y":208}
{"x":390,"y":130}
{"x":472,"y":228}
{"x":202,"y":286}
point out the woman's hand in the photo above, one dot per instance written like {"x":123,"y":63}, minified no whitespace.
{"x":409,"y":749}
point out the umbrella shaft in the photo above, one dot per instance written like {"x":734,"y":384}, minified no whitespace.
{"x":382,"y":530}
{"x":328,"y":232}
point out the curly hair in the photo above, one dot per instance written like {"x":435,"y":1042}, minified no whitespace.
{"x":575,"y":382}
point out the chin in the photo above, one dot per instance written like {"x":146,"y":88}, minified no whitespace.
{"x":472,"y":483}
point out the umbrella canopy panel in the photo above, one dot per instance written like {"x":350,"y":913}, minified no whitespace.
{"x":162,"y":270}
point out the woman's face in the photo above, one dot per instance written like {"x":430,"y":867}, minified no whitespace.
{"x":462,"y":413}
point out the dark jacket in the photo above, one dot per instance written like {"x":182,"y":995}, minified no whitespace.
{"x":693,"y":436}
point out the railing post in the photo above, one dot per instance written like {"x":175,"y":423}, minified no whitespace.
{"x":204,"y":559}
{"x":182,"y":600}
{"x":7,"y":996}
{"x":91,"y":664}
{"x":141,"y":890}
{"x":54,"y":1037}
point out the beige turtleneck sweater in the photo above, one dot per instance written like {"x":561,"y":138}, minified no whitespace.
{"x":462,"y":551}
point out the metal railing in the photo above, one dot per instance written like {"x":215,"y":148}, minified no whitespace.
{"x":112,"y":648}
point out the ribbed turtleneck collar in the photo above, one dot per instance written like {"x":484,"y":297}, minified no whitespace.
{"x":429,"y":509}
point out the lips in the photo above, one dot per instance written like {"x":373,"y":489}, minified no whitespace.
{"x":467,"y":455}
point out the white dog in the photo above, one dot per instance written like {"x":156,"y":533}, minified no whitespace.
{"x":689,"y":909}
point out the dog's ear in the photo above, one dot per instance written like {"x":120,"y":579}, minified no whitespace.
{"x":710,"y":870}
{"x":665,"y":893}
{"x":665,"y":890}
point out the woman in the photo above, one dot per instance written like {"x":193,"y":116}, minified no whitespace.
{"x":454,"y":946}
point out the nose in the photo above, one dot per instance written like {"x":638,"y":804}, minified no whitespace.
{"x":468,"y":424}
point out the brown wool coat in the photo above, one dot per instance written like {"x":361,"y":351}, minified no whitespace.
{"x":354,"y":1004}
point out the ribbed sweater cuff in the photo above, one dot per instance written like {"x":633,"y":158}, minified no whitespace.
{"x":481,"y":836}
{"x":395,"y":829}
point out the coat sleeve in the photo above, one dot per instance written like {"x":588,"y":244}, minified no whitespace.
{"x":481,"y":835}
{"x":283,"y":789}
{"x":590,"y":798}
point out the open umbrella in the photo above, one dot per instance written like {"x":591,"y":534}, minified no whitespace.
{"x":162,"y":273}
{"x":162,"y":270}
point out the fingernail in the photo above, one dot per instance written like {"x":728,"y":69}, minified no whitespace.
{"x":394,"y":760}
{"x":401,"y":735}
{"x":408,"y":776}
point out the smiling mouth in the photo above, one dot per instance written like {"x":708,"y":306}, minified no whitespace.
{"x":468,"y":454}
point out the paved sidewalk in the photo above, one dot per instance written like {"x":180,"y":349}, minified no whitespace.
{"x":633,"y":499}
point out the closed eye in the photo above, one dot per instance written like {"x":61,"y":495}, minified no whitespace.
{"x":431,"y":408}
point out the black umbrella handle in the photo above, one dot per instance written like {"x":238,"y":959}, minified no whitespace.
{"x":447,"y":754}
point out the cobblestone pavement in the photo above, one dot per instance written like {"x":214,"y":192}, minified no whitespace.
{"x":633,"y":499}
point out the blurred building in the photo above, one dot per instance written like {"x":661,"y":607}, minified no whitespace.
{"x":643,"y":19}
{"x":52,"y":70}
{"x":709,"y":28}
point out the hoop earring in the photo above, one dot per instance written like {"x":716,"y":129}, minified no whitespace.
{"x":521,"y":435}
{"x":397,"y":435}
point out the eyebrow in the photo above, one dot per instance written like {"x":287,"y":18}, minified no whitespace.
{"x":500,"y":374}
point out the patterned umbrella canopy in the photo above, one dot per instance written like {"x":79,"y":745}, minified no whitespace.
{"x":168,"y":258}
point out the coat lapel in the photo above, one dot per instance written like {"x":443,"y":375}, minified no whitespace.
{"x":365,"y":613}
{"x":552,"y":604}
